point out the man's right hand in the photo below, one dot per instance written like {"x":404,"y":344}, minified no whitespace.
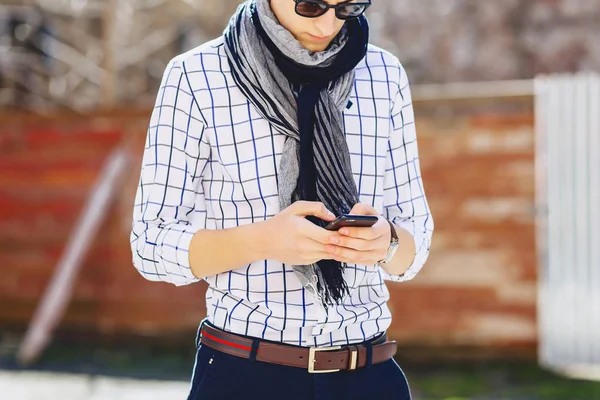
{"x":292,"y":239}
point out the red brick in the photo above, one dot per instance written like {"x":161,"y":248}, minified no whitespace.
{"x":39,"y":208}
{"x":32,"y":164}
{"x":36,"y":139}
{"x":36,"y":207}
{"x":504,"y":120}
{"x":440,"y":310}
{"x":36,"y":231}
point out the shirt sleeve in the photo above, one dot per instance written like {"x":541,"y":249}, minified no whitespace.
{"x":169,"y":204}
{"x":405,"y":203}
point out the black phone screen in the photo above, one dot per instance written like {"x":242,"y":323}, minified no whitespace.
{"x":355,"y":221}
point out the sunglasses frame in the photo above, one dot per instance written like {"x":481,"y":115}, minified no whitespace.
{"x":330,"y":6}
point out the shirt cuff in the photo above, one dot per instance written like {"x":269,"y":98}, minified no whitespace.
{"x":174,"y":254}
{"x":421,"y":253}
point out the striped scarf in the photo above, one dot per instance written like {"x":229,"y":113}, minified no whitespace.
{"x":302,"y":95}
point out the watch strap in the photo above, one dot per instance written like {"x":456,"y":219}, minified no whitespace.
{"x":394,"y":233}
{"x":393,"y":241}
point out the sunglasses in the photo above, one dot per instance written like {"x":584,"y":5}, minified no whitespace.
{"x":343,"y":11}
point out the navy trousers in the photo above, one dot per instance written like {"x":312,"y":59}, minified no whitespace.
{"x":218,"y":375}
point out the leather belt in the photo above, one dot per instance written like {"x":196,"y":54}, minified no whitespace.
{"x":314,"y":359}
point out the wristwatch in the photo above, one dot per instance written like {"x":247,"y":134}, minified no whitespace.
{"x":394,"y":244}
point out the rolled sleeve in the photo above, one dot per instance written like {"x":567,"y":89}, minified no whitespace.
{"x":169,"y":204}
{"x":405,"y":203}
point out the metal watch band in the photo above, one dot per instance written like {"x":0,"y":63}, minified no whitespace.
{"x":393,"y":242}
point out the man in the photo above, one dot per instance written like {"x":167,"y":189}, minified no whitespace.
{"x":258,"y":140}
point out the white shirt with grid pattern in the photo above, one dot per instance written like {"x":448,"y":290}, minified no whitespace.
{"x":211,"y":162}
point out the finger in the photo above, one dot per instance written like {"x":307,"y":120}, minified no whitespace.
{"x":351,"y":262}
{"x":361,"y":233}
{"x":353,"y":243}
{"x":329,"y":256}
{"x":324,"y":256}
{"x":343,"y":260}
{"x":314,"y":208}
{"x":354,"y":262}
{"x":380,"y":229}
{"x":317,"y":251}
{"x":316,"y":233}
{"x":316,"y":257}
{"x":363,"y":209}
{"x":359,"y":256}
{"x":314,"y":251}
{"x":308,"y":245}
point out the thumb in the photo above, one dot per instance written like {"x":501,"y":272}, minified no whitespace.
{"x":363,"y":209}
{"x":317,"y":209}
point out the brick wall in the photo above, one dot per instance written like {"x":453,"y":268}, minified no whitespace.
{"x":478,"y":287}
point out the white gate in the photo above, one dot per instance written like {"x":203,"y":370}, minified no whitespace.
{"x":568,"y":203}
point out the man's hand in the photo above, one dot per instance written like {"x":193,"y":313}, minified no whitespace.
{"x":364,"y":246}
{"x":292,"y":239}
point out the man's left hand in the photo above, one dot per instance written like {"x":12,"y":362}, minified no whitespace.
{"x":364,"y":246}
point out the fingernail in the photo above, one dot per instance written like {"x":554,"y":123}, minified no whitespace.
{"x":344,"y":231}
{"x":334,"y":240}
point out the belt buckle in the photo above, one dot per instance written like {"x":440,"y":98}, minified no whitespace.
{"x":312,"y":359}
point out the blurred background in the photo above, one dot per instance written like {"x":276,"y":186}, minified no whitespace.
{"x":507,"y":97}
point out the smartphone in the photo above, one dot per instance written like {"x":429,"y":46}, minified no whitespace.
{"x":355,"y":221}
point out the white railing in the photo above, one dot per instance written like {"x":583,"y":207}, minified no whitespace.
{"x":568,"y":224}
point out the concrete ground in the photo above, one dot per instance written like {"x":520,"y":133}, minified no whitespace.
{"x":454,"y":384}
{"x":17,"y":385}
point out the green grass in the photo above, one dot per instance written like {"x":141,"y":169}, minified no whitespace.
{"x":496,"y":380}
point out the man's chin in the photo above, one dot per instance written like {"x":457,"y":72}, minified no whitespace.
{"x":315,"y":47}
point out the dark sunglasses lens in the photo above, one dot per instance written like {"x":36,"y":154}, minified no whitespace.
{"x":310,"y":9}
{"x":350,"y":11}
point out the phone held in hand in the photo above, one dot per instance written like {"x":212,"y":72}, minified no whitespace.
{"x":354,"y":221}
